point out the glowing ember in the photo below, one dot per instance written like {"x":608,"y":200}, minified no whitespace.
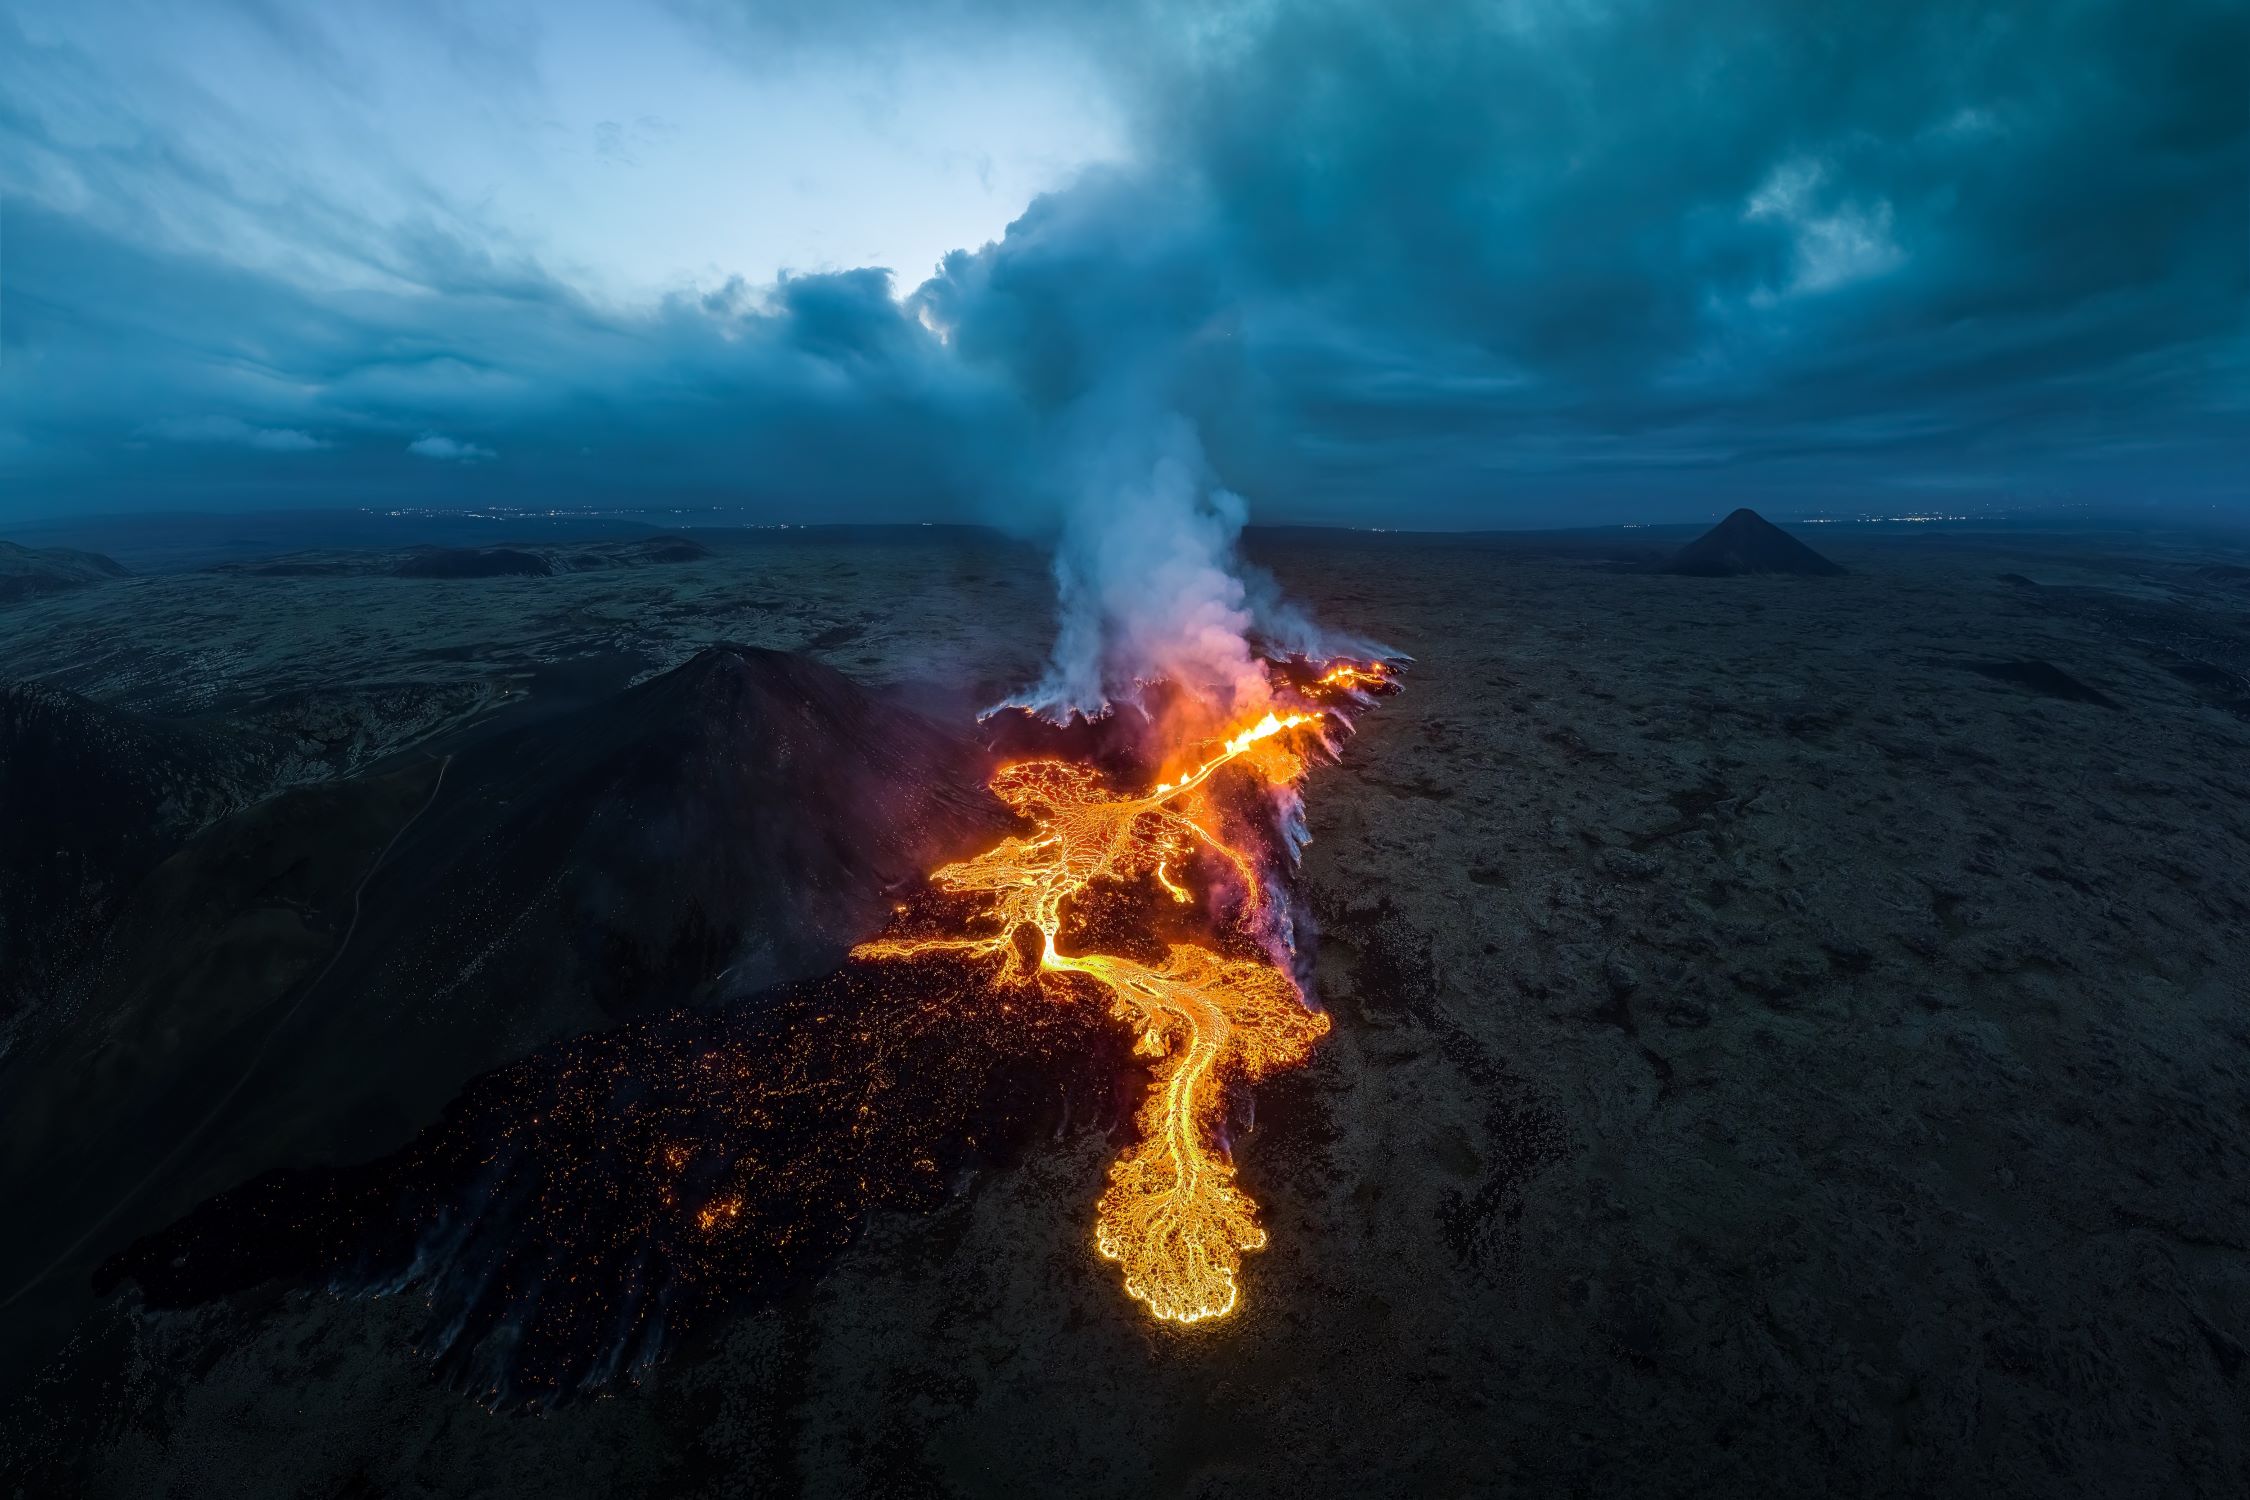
{"x":1212,"y":1011}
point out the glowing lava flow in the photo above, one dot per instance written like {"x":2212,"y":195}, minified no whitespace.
{"x":1171,"y":1215}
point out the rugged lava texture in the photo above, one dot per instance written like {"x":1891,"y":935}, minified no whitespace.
{"x":572,"y":1216}
{"x":1773,"y":1051}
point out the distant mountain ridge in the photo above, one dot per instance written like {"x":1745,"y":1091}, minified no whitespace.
{"x":517,"y":561}
{"x":30,"y":572}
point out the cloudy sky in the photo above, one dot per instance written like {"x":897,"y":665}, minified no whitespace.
{"x":1399,"y":262}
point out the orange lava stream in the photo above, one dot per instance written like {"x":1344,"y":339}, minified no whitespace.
{"x":1171,"y":1216}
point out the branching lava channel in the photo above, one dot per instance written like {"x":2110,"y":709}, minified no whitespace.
{"x":1223,"y":1007}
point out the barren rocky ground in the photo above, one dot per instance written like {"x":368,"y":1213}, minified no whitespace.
{"x":1792,"y":1035}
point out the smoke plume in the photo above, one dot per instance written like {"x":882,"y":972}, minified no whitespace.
{"x":1151,"y":584}
{"x":1148,"y":580}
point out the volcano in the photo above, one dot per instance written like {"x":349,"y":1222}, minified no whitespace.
{"x":1746,"y":543}
{"x":571,"y":1214}
{"x":314,"y":976}
{"x":727,"y":825}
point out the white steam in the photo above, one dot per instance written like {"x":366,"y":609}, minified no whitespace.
{"x":1149,"y":581}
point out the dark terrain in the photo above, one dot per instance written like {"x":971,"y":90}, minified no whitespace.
{"x":1747,"y":543}
{"x":31,"y":572}
{"x":1790,"y":1033}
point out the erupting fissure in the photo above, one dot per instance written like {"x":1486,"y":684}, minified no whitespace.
{"x":1220,"y":1006}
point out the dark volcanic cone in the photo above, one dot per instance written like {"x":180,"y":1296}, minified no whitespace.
{"x":736,"y":822}
{"x":1747,"y":542}
{"x":311,"y":979}
{"x":748,"y":814}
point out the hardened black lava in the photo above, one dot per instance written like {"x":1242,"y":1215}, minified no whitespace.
{"x":573,"y":1214}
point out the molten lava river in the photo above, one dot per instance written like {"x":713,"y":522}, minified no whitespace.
{"x":572,"y":1213}
{"x":1076,"y":907}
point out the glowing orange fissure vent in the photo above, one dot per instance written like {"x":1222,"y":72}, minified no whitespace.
{"x":1172,"y":1215}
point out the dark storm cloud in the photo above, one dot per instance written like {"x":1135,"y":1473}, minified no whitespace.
{"x":1565,"y":251}
{"x":1412,"y":263}
{"x":140,"y":374}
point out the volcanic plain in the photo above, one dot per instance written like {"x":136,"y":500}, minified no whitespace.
{"x":1791,"y":1034}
